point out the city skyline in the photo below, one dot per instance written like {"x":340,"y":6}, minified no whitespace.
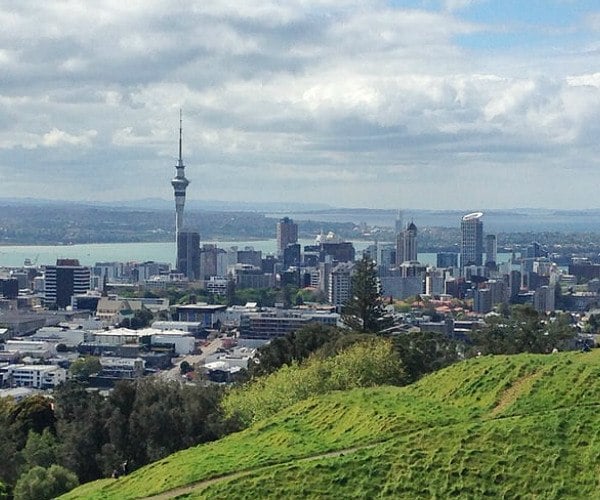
{"x":424,"y":104}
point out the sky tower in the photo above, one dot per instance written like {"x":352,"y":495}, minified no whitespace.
{"x":179,"y":183}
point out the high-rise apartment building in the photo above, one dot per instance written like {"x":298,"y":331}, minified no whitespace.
{"x":65,"y":279}
{"x":471,"y":249}
{"x":287,"y":234}
{"x":340,"y":284}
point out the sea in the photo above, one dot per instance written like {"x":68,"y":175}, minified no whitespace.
{"x":89,"y":254}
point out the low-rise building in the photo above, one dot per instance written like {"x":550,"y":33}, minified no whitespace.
{"x":34,"y":348}
{"x":122,"y":368}
{"x":273,"y":323}
{"x":34,"y":376}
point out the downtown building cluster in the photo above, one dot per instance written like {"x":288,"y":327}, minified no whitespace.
{"x":52,"y":314}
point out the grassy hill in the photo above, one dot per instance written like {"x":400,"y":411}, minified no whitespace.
{"x":525,"y":426}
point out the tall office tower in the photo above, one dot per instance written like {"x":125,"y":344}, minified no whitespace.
{"x":65,"y":279}
{"x":490,"y":249}
{"x":399,"y":248}
{"x":287,"y":234}
{"x":410,"y":243}
{"x":179,"y":183}
{"x":399,"y":239}
{"x":188,"y":254}
{"x":399,"y":226}
{"x":471,"y":249}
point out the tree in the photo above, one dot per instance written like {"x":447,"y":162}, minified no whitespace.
{"x":295,"y":346}
{"x":83,"y":368}
{"x":425,"y":352}
{"x":141,"y":319}
{"x":43,"y":484}
{"x":524,"y":331}
{"x":34,"y":413}
{"x":185,"y":367}
{"x":81,"y":429}
{"x":364,"y":310}
{"x":40,"y":449}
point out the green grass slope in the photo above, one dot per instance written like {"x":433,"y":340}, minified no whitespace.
{"x":521,"y":426}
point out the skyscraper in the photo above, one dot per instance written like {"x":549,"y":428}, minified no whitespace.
{"x":490,"y":249}
{"x":179,"y":183}
{"x":410,"y":243}
{"x":399,"y":239}
{"x":398,"y":224}
{"x":287,"y":234}
{"x":188,"y":254}
{"x":471,"y":248}
{"x":65,"y":279}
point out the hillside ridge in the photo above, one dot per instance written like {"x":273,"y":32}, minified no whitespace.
{"x":504,"y":425}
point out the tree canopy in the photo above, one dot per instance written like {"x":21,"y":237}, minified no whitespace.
{"x":364,"y":311}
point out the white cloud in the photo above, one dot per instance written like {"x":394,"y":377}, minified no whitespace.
{"x":58,"y":137}
{"x":452,"y":5}
{"x":359,"y":101}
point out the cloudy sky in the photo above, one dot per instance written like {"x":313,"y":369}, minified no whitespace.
{"x":410,"y":104}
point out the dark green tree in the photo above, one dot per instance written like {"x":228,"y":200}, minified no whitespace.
{"x":524,"y":331}
{"x":425,"y":352}
{"x":42,"y":484}
{"x":141,"y":319}
{"x":185,"y":367}
{"x":40,"y":449}
{"x":3,"y":491}
{"x":295,"y":346}
{"x":81,"y":419}
{"x":364,"y":311}
{"x":34,"y":413}
{"x":83,"y":368}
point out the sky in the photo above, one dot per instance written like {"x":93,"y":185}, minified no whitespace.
{"x":425,"y":104}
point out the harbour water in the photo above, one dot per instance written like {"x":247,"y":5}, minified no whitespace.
{"x":89,"y":254}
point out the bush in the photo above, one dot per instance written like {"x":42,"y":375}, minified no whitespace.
{"x":365,"y":364}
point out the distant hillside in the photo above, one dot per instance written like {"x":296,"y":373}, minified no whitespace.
{"x":525,"y":426}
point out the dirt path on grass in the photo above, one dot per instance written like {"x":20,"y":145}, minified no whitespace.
{"x":510,"y":395}
{"x":190,"y":488}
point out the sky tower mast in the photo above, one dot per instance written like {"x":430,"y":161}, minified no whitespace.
{"x":179,"y":183}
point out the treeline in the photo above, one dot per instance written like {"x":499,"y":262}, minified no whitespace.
{"x":48,"y":445}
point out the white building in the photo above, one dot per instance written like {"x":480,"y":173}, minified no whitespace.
{"x":122,"y":367}
{"x":34,"y":376}
{"x":183,"y":343}
{"x":340,"y":284}
{"x":34,"y":348}
{"x":216,"y":285}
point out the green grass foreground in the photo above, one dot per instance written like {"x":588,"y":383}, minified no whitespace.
{"x":524,"y":426}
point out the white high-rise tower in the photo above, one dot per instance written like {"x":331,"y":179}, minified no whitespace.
{"x":179,"y":183}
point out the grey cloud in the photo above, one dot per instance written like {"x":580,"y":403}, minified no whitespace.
{"x":356,"y":102}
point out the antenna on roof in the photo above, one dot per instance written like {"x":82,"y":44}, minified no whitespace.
{"x":180,"y":133}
